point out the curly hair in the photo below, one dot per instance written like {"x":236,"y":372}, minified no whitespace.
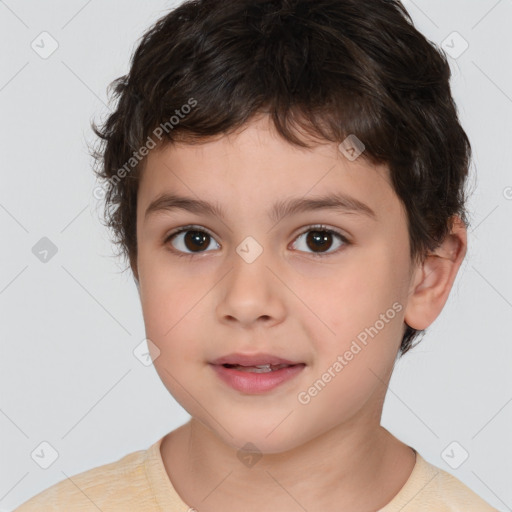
{"x":326,"y":68}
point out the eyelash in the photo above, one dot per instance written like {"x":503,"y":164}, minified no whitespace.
{"x":193,"y":227}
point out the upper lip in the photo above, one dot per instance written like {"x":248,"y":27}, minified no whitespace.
{"x":252,"y":360}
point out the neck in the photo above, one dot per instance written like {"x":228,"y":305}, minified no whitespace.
{"x":345,"y":468}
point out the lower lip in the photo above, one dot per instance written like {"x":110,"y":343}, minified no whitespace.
{"x":252,"y":382}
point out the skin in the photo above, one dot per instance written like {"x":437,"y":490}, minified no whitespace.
{"x":330,"y":454}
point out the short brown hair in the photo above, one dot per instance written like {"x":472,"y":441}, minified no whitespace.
{"x":331,"y":68}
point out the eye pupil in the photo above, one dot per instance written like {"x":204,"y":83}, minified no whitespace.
{"x":320,"y":238}
{"x":318,"y":241}
{"x":196,"y":240}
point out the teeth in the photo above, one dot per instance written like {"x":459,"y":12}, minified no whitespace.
{"x":264,"y":368}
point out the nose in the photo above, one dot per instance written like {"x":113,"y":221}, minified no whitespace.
{"x":251,"y":293}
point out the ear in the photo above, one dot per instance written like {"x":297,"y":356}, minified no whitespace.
{"x":433,"y":280}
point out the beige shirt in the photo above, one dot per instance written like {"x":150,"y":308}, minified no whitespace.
{"x":139,"y":482}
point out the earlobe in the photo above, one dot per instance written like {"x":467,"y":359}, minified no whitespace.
{"x":433,"y":280}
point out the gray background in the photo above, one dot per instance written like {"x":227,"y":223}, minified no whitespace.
{"x":69,"y":325}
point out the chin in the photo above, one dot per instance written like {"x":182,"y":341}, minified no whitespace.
{"x":261,"y":439}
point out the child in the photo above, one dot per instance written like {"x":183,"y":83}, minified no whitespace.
{"x":243,"y":128}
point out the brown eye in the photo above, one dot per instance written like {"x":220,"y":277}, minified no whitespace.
{"x":196,"y":240}
{"x":190,"y":241}
{"x":319,"y":240}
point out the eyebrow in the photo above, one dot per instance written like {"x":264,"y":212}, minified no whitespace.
{"x":281,"y":209}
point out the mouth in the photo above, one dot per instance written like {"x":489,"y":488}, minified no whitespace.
{"x":263,"y":368}
{"x":254,"y":360}
{"x":255,"y":374}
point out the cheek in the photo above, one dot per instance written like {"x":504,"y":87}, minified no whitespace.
{"x":364,"y":312}
{"x":354,"y":299}
{"x":165,"y":295}
{"x":172,"y":315}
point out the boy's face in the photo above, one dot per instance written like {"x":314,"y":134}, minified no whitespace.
{"x":308,"y":297}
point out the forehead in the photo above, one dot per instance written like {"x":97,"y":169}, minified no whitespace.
{"x":256,"y":170}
